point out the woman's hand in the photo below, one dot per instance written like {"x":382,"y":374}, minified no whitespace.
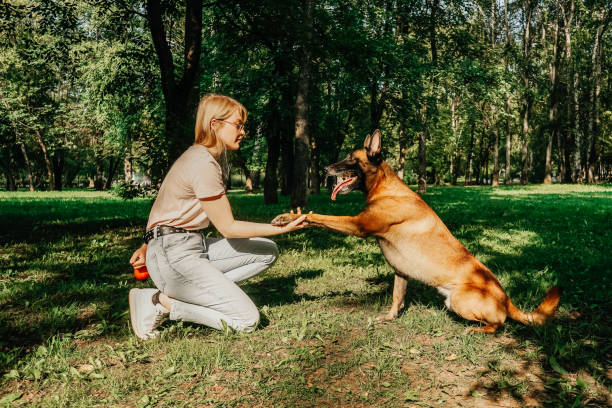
{"x":138,"y":258}
{"x":291,"y":221}
{"x":220,"y":214}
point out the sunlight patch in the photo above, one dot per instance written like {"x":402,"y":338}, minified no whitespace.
{"x":509,"y":242}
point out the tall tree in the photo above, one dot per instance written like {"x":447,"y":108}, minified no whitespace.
{"x":529,"y":7}
{"x":602,"y":20}
{"x":299,"y":191}
{"x":181,"y":92}
{"x":553,"y":68}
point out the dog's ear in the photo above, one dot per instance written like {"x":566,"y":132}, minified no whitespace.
{"x":374,"y":146}
{"x":366,"y":142}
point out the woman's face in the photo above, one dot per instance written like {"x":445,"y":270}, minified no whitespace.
{"x":230,"y":130}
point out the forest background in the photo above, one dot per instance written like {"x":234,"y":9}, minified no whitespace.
{"x":103,"y":93}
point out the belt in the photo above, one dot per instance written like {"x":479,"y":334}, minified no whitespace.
{"x":162,"y":230}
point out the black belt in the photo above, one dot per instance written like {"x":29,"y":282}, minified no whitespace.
{"x":162,"y":230}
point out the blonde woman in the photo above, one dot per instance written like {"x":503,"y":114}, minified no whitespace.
{"x":196,"y":276}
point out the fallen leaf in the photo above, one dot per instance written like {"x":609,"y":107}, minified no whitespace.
{"x":86,"y":367}
{"x":451,"y":357}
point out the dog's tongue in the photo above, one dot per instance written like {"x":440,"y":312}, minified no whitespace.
{"x":339,"y":186}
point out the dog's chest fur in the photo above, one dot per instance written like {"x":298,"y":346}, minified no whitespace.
{"x":406,"y":263}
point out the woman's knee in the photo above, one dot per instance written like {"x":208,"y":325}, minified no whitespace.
{"x":271,"y":251}
{"x":248,"y":322}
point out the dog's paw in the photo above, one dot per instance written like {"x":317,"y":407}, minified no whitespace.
{"x":284,"y":219}
{"x":387,"y":317}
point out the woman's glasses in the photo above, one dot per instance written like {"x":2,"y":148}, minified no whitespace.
{"x":239,"y":126}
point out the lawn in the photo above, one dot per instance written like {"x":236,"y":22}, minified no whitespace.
{"x":64,"y":326}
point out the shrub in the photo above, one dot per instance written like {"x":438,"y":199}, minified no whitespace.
{"x":129,"y":191}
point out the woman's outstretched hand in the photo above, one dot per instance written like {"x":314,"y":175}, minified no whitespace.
{"x":291,"y":221}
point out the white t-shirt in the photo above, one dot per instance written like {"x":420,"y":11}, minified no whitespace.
{"x":195,"y":175}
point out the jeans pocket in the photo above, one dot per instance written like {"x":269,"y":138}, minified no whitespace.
{"x":172,"y":240}
{"x":178,"y":247}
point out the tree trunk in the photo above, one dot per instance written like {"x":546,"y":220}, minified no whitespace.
{"x":593,"y":148}
{"x":299,"y":190}
{"x":8,"y":170}
{"x":495,"y":174}
{"x":553,"y":126}
{"x":454,"y":163}
{"x":58,"y":168}
{"x":43,"y":147}
{"x":273,"y":139}
{"x":287,"y":134}
{"x":248,"y":181}
{"x":526,"y":76}
{"x":401,"y":162}
{"x":507,"y":175}
{"x":180,"y":94}
{"x":26,"y":159}
{"x":525,"y":152}
{"x":256,"y":177}
{"x":427,"y":111}
{"x":98,"y":183}
{"x":422,"y":182}
{"x":112,"y":169}
{"x":127,"y":164}
{"x":457,"y":168}
{"x":578,"y":169}
{"x":486,"y":162}
{"x":468,"y":167}
{"x":315,"y":178}
{"x":481,"y":144}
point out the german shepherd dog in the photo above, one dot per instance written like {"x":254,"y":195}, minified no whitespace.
{"x":417,"y":244}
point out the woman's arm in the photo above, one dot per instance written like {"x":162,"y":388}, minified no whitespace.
{"x":220,"y":214}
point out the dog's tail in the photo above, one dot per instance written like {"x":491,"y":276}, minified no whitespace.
{"x":541,"y":314}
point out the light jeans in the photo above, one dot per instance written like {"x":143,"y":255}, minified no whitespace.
{"x":200,"y":276}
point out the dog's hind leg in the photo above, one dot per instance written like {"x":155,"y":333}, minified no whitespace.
{"x":488,"y":329}
{"x":481,"y":305}
{"x":399,"y":293}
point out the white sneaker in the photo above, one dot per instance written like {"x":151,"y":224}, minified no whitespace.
{"x":144,"y":315}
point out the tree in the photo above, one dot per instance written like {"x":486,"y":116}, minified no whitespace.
{"x":181,"y":91}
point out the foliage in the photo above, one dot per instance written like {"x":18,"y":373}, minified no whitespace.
{"x":129,"y":191}
{"x":83,"y":79}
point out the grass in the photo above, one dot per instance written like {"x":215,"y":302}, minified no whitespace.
{"x":65,"y":337}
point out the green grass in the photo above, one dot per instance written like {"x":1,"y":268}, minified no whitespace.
{"x":64,"y":326}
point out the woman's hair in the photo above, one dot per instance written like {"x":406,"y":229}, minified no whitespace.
{"x":214,"y":106}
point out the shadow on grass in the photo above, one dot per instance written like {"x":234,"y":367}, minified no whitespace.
{"x":31,"y":233}
{"x":281,"y":290}
{"x":561,"y":382}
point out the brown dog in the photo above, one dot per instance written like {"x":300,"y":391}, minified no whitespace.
{"x":417,"y":244}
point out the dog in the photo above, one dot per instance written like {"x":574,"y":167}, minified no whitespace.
{"x":417,"y":244}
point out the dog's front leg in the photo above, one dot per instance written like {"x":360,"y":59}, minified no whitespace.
{"x":399,"y":293}
{"x":343,"y":224}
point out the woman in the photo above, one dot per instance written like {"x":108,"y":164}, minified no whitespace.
{"x":196,"y":276}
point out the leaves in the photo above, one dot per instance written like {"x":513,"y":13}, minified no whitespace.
{"x":556,"y":366}
{"x":8,"y":398}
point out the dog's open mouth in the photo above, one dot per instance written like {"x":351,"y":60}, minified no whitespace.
{"x":343,"y":185}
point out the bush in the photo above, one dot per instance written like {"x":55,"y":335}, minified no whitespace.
{"x":129,"y":191}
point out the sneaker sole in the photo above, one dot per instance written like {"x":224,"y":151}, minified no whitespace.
{"x":133,"y":318}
